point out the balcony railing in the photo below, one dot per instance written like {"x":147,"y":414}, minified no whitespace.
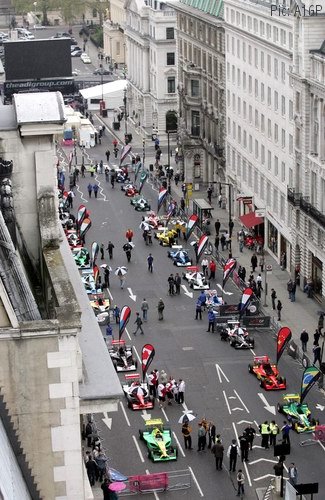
{"x":293,"y":197}
{"x":305,"y":206}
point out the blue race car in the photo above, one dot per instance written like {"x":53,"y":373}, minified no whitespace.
{"x":180,"y":258}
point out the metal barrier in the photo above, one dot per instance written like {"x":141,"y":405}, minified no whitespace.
{"x":161,"y":481}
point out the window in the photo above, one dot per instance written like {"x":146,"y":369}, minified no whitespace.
{"x":262,"y":60}
{"x":275,"y":200}
{"x":256,"y":118}
{"x":283,"y":138}
{"x":239,"y":105}
{"x":283,"y":72}
{"x":276,"y":166}
{"x":228,"y":97}
{"x":276,"y":69}
{"x":233,"y":74}
{"x":238,"y":77}
{"x":291,"y":178}
{"x":244,"y":138}
{"x":256,"y":87}
{"x":269,"y":64}
{"x":290,"y":110}
{"x":250,"y":143}
{"x":256,"y":148}
{"x":195,"y":88}
{"x":234,"y":130}
{"x":262,"y":28}
{"x":256,"y":58}
{"x":170,"y":34}
{"x":170,"y":58}
{"x":171,"y":87}
{"x":268,"y":30}
{"x":244,"y":170}
{"x":276,"y":132}
{"x":195,"y":129}
{"x":262,"y":92}
{"x":244,"y":109}
{"x":249,"y":21}
{"x":232,"y":45}
{"x":283,"y":36}
{"x":290,"y":40}
{"x":269,"y":160}
{"x":283,"y":105}
{"x":262,"y":124}
{"x":249,"y":54}
{"x":276,"y":100}
{"x":243,"y":20}
{"x":282,"y":205}
{"x":269,"y":98}
{"x":250,"y":114}
{"x":255,"y":180}
{"x":244,"y":51}
{"x":238,"y":48}
{"x":275,"y":34}
{"x":290,"y":143}
{"x":263,"y":154}
{"x":250,"y":81}
{"x":298,"y":102}
{"x":269,"y":129}
{"x":255,"y":25}
{"x":239,"y":134}
{"x":250,"y":176}
{"x":244,"y":80}
{"x":283,"y":171}
{"x":233,"y":102}
{"x":262,"y":187}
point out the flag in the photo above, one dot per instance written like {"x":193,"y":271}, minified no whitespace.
{"x":125,"y":151}
{"x":124,"y":319}
{"x":161,"y":197}
{"x":85,"y":226}
{"x":82,"y":212}
{"x":283,"y":337}
{"x":310,"y":376}
{"x":96,"y":274}
{"x":201,"y":245}
{"x":191,"y":223}
{"x":143,"y":178}
{"x":245,"y":299}
{"x":94,"y":252}
{"x":228,"y":268}
{"x":138,"y":166}
{"x":147,"y":355}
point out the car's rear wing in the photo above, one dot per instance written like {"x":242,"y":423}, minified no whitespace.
{"x":292,"y":397}
{"x":118,"y":343}
{"x":156,"y":422}
{"x":261,"y":359}
{"x":132,"y":377}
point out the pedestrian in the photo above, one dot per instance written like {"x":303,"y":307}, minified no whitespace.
{"x":265,"y":433}
{"x":70,"y":199}
{"x":110,"y":248}
{"x":321,"y":323}
{"x":186,"y":431}
{"x":254,"y":262}
{"x":106,"y":174}
{"x":250,"y":434}
{"x":293,"y":292}
{"x":317,"y":354}
{"x":198,"y":310}
{"x":169,"y":390}
{"x":289,"y":288}
{"x":262,"y":263}
{"x":259,"y":282}
{"x":95,"y":189}
{"x":171,"y":284}
{"x":109,"y":334}
{"x":228,"y":241}
{"x":317,"y":335}
{"x":89,"y":433}
{"x":241,"y":241}
{"x":240,"y":483}
{"x":217,"y":226}
{"x":91,"y":470}
{"x":102,"y":248}
{"x":211,"y":434}
{"x":150,"y":262}
{"x":182,"y":204}
{"x":152,"y":383}
{"x":279,"y":309}
{"x":106,"y":277}
{"x":112,"y":178}
{"x":293,"y":474}
{"x":209,"y":193}
{"x":304,"y":337}
{"x":129,"y":235}
{"x":138,"y":322}
{"x":216,"y":243}
{"x":223,"y":242}
{"x":217,"y":450}
{"x":144,"y":309}
{"x":286,"y":428}
{"x":178,"y":281}
{"x":231,"y":227}
{"x":232,"y":454}
{"x":212,"y":269}
{"x":211,"y":319}
{"x":160,"y":307}
{"x":204,"y":264}
{"x":181,"y":390}
{"x":106,"y":491}
{"x":274,"y":428}
{"x":244,"y":447}
{"x":220,"y":200}
{"x":161,"y":391}
{"x":201,"y":437}
{"x":273,"y":297}
{"x":108,"y":154}
{"x":90,"y":189}
{"x":278,"y":468}
{"x":83,"y":168}
{"x":116,"y":314}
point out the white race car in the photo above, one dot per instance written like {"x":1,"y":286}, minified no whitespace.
{"x":196,"y":279}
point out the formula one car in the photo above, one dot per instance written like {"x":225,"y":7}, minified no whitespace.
{"x":159,"y":441}
{"x":137,"y":393}
{"x":196,"y":280}
{"x":122,"y":356}
{"x":267,"y":373}
{"x":166,"y":237}
{"x":129,"y":189}
{"x":73,"y":239}
{"x":238,"y":337}
{"x":88,"y":280}
{"x":81,"y":257}
{"x":140,"y":203}
{"x":180,"y":258}
{"x":297,"y":413}
{"x":152,"y":219}
{"x":99,"y":303}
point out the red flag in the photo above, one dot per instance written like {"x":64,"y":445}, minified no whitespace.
{"x":148,"y":353}
{"x":283,"y":337}
{"x":229,"y":267}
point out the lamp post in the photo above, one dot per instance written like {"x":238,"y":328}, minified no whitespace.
{"x":101,"y":82}
{"x":125,"y":112}
{"x":168,"y":155}
{"x":35,"y":5}
{"x":82,"y":154}
{"x":110,"y":53}
{"x":124,"y":45}
{"x":143,"y":151}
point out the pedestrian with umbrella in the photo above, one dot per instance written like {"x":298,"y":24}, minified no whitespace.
{"x":121,"y":272}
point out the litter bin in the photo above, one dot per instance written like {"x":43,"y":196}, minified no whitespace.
{"x":151,"y":167}
{"x":116,"y":125}
{"x":128,"y":138}
{"x":104,"y":113}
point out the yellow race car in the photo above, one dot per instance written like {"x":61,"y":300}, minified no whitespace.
{"x":167,"y":237}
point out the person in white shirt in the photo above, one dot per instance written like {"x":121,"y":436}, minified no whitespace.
{"x":181,"y":390}
{"x":161,"y":395}
{"x":204,"y":264}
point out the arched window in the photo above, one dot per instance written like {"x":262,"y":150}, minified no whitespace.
{"x":171,"y":121}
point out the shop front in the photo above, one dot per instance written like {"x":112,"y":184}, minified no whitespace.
{"x":316,"y":275}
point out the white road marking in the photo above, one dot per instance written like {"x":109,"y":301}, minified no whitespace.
{"x":242,"y":402}
{"x":258,"y":446}
{"x":132,"y":296}
{"x":224,"y":394}
{"x":234,"y":409}
{"x":178,"y":444}
{"x":264,"y":477}
{"x":253,"y":352}
{"x":321,"y":444}
{"x":185,"y":407}
{"x":81,"y":194}
{"x":145,"y":415}
{"x":135,"y":350}
{"x":127,"y":332}
{"x":165,"y":415}
{"x":107,"y":420}
{"x":252,"y":462}
{"x":221,"y":372}
{"x":196,"y":481}
{"x":125,"y":415}
{"x":138,"y":448}
{"x":101,"y":191}
{"x":244,"y":463}
{"x":154,"y":492}
{"x":244,"y":422}
{"x":267,"y":406}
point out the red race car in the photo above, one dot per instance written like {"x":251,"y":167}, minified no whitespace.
{"x":267,"y":373}
{"x":130,"y":190}
{"x":137,"y":393}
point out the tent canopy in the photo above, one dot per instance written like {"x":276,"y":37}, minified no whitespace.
{"x":106,"y":89}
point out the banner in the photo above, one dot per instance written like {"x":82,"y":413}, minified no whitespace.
{"x":228,"y":268}
{"x":201,"y":245}
{"x":143,"y":178}
{"x":124,"y":319}
{"x":191,"y":223}
{"x":85,"y":226}
{"x":257,"y":321}
{"x":147,"y":355}
{"x":245,"y":299}
{"x":283,"y":337}
{"x":125,"y":151}
{"x":82,"y":212}
{"x":96,"y":274}
{"x":310,"y":376}
{"x":94,"y":252}
{"x":161,"y":197}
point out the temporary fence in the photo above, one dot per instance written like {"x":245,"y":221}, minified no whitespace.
{"x":158,"y":482}
{"x":318,"y":437}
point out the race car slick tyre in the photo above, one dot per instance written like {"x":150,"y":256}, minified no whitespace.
{"x":250,"y":368}
{"x":150,"y":456}
{"x":136,"y":364}
{"x":262,"y":384}
{"x":129,"y":404}
{"x":280,"y":408}
{"x":141,"y":434}
{"x":252,"y":343}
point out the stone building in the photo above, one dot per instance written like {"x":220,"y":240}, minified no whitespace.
{"x":50,"y":374}
{"x":113,"y":33}
{"x":201,"y":89}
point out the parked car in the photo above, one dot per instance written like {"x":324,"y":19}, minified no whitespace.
{"x":76,"y":53}
{"x":102,"y":71}
{"x":85,"y":58}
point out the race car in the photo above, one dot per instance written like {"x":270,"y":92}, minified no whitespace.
{"x":99,"y":303}
{"x":237,"y":336}
{"x":153,"y":220}
{"x":81,"y":257}
{"x":298,"y":414}
{"x":166,"y":237}
{"x":73,"y":239}
{"x":180,"y":258}
{"x":88,"y":280}
{"x":137,"y":393}
{"x":159,"y":441}
{"x":196,"y":279}
{"x":140,"y":203}
{"x":122,"y":356}
{"x":129,"y":189}
{"x":267,"y":373}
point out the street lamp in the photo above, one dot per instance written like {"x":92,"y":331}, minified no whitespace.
{"x":35,"y":5}
{"x":124,"y":45}
{"x":168,"y":155}
{"x":101,"y":82}
{"x":125,"y":112}
{"x":143,"y":151}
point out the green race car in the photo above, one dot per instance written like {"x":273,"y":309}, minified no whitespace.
{"x":298,"y":414}
{"x":159,"y":441}
{"x":140,"y":203}
{"x":81,"y":257}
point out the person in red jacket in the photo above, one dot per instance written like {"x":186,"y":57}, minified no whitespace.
{"x":129,"y":235}
{"x":212,"y":268}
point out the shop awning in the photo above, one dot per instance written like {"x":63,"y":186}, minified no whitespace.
{"x":251,"y":220}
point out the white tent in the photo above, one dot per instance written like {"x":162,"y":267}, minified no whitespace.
{"x":112,"y":92}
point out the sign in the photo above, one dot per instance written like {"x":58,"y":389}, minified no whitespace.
{"x":269,"y":269}
{"x":229,"y":309}
{"x":257,"y":321}
{"x":66,"y":86}
{"x":247,"y":200}
{"x":260,"y":212}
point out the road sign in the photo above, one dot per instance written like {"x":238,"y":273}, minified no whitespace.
{"x":269,"y":269}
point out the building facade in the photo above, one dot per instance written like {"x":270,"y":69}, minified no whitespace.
{"x":306,"y":193}
{"x":201,"y":89}
{"x":152,"y":66}
{"x":260,"y":127}
{"x":113,"y":33}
